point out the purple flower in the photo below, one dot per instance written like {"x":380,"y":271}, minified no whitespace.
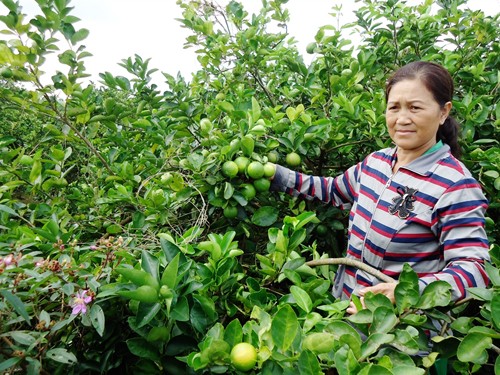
{"x":80,"y":302}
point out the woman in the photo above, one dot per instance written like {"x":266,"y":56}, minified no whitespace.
{"x":414,"y":203}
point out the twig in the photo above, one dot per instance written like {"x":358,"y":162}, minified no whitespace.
{"x":353,"y":263}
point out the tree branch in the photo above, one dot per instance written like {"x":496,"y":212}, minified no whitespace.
{"x":353,"y":263}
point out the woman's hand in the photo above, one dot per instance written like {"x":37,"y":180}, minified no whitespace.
{"x":387,"y":289}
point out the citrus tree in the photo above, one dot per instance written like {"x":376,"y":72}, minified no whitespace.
{"x":137,"y":230}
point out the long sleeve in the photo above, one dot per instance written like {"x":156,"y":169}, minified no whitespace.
{"x":459,"y":219}
{"x":340,"y":191}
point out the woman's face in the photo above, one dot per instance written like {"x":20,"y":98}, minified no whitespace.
{"x":413,"y":116}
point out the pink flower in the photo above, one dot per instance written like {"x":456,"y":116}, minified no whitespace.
{"x":80,"y":302}
{"x":9,"y":259}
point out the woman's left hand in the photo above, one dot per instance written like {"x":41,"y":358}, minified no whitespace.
{"x":386,"y":289}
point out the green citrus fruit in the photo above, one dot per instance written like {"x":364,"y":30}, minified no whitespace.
{"x":293,"y":159}
{"x":269,"y":170}
{"x":7,"y":73}
{"x":311,"y":47}
{"x":272,"y":156}
{"x":158,"y":334}
{"x":230,"y":212}
{"x":321,"y":229}
{"x":262,"y":184}
{"x":242,"y":162}
{"x":205,"y":125}
{"x":248,"y":191}
{"x":230,"y":169}
{"x":255,"y":170}
{"x":243,"y":356}
{"x":165,"y":292}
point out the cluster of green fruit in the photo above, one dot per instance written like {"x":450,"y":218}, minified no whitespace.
{"x":259,"y":173}
{"x":256,"y":175}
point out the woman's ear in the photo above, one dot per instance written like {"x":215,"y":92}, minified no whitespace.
{"x":445,"y":111}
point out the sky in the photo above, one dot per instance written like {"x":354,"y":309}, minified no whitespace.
{"x":121,"y":28}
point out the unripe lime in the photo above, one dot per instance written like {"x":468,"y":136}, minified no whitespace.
{"x":269,"y":170}
{"x":311,"y":47}
{"x":230,"y":169}
{"x":319,"y":342}
{"x":158,"y":334}
{"x":205,"y":125}
{"x":6,"y":73}
{"x":165,"y":292}
{"x":293,"y":159}
{"x":243,"y":356}
{"x":272,"y":156}
{"x":346,"y":72}
{"x":230,"y":212}
{"x":248,"y":191}
{"x":255,"y":170}
{"x":242,"y":162}
{"x":322,"y":229}
{"x":262,"y":184}
{"x":220,"y":96}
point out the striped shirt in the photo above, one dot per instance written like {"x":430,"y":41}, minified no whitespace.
{"x":429,"y":214}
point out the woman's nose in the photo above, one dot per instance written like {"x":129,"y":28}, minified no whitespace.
{"x":403,"y":117}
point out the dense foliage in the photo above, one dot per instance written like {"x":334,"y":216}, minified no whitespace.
{"x":126,"y":246}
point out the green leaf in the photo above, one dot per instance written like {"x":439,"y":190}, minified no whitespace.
{"x":265,"y":216}
{"x":9,"y":363}
{"x":346,"y":362}
{"x":407,"y":291}
{"x":169,"y":249}
{"x":372,"y":369}
{"x":308,"y":364}
{"x":150,"y":264}
{"x":202,"y":313}
{"x":301,"y":298}
{"x":247,"y":145}
{"x":493,"y":274}
{"x":481,"y":294}
{"x":22,"y":337}
{"x":226,"y":107}
{"x":16,"y":303}
{"x":297,"y":238}
{"x":437,"y":293}
{"x":61,"y":355}
{"x":495,"y":310}
{"x":142,"y":349}
{"x":407,"y":370}
{"x":79,"y":36}
{"x":169,"y":277}
{"x":97,"y":318}
{"x":36,"y":173}
{"x":284,"y":327}
{"x":114,"y":229}
{"x":228,"y":190}
{"x":9,"y":210}
{"x":303,"y":219}
{"x":373,"y":343}
{"x":384,"y":320}
{"x":233,"y":334}
{"x":255,"y":109}
{"x":146,"y":312}
{"x":473,"y":348}
{"x":180,"y":311}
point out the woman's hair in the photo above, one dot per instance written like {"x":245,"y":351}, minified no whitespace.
{"x":439,"y":82}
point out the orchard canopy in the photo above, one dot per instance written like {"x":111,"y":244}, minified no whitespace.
{"x":135,"y":238}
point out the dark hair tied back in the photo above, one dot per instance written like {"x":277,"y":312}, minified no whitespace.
{"x":439,"y":82}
